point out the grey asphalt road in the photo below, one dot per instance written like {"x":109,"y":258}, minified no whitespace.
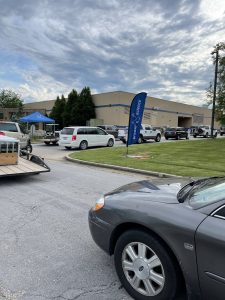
{"x":46,"y":251}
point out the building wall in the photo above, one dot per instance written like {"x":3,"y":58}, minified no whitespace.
{"x":45,"y":105}
{"x":113,"y":108}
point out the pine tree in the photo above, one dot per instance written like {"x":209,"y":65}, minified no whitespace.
{"x":84,"y":109}
{"x":58,"y":110}
{"x":69,"y":118}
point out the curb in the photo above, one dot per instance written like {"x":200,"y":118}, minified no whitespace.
{"x":119,"y":168}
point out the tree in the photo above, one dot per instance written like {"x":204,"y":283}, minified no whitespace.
{"x":58,"y":111}
{"x":69,"y":118}
{"x":10,"y":99}
{"x":220,"y":93}
{"x":84,"y":109}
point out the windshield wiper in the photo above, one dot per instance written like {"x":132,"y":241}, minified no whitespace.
{"x":187,"y":189}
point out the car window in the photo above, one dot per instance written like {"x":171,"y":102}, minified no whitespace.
{"x":8,"y":127}
{"x":67,"y":131}
{"x":22,"y":129}
{"x":147,"y":128}
{"x":81,"y":131}
{"x":207,"y":192}
{"x":100,"y":131}
{"x":220,"y":213}
{"x":92,"y":130}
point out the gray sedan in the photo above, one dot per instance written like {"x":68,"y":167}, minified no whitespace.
{"x":165,"y":238}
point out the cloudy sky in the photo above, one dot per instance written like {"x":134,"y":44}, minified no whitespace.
{"x":161,"y":47}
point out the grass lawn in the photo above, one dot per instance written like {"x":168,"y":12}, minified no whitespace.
{"x":204,"y":157}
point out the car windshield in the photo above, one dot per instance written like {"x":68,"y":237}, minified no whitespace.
{"x":203,"y":192}
{"x":8,"y":127}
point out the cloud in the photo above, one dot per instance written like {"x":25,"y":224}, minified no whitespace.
{"x":162,"y":47}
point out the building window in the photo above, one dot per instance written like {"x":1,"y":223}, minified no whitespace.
{"x":1,"y":116}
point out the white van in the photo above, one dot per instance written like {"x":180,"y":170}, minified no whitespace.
{"x":84,"y":137}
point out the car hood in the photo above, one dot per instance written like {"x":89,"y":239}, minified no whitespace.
{"x":149,"y":191}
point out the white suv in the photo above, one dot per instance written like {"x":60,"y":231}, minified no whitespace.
{"x":84,"y":137}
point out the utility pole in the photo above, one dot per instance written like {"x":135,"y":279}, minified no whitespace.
{"x":214,"y":92}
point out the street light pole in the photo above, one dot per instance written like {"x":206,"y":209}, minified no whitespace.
{"x":214,"y":92}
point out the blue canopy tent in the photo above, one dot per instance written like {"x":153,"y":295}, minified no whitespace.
{"x":36,"y":117}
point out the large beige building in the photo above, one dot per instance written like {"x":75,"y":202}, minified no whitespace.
{"x":113,"y":108}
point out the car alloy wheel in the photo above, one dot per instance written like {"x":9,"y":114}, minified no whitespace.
{"x":140,"y":140}
{"x":110,"y":143}
{"x":145,"y":268}
{"x":83,"y":145}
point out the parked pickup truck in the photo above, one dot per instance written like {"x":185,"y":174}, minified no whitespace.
{"x":204,"y":131}
{"x":147,"y":132}
{"x":13,"y":129}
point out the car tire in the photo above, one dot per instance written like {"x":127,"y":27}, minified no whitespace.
{"x":140,"y":140}
{"x":158,"y":138}
{"x":206,"y":135}
{"x":110,"y":143}
{"x":187,"y":137}
{"x":47,"y":143}
{"x":134,"y":270}
{"x":83,"y":145}
{"x":166,"y":138}
{"x":215,"y":135}
{"x":68,"y":148}
{"x":194,"y":136}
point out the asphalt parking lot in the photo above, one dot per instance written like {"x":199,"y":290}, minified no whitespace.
{"x":46,"y":251}
{"x":52,"y":152}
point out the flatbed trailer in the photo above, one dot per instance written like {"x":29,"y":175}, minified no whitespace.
{"x":28,"y":164}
